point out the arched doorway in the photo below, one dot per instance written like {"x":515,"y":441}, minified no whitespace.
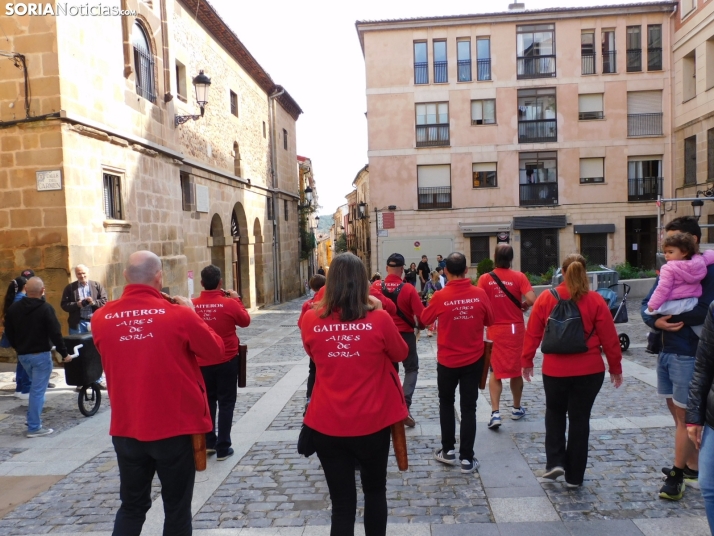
{"x":240,"y":259}
{"x":259,"y":267}
{"x":218,"y":254}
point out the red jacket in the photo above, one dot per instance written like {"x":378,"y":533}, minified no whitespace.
{"x":386,"y":302}
{"x":463,"y":310}
{"x":408,"y":301}
{"x":222,"y":314}
{"x":149,"y":348}
{"x":596,"y":316}
{"x":357,"y":391}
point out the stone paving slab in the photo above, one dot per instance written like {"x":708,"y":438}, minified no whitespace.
{"x":268,"y":375}
{"x":622,"y":479}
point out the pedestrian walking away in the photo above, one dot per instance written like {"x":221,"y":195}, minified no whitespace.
{"x":700,"y":413}
{"x":423,"y":271}
{"x":511,"y":294}
{"x":462,"y":310}
{"x":675,"y":366}
{"x":32,"y":328}
{"x":408,"y":309}
{"x":150,"y":350}
{"x":15,"y":292}
{"x":357,"y":396}
{"x":571,"y":380}
{"x":223,"y":311}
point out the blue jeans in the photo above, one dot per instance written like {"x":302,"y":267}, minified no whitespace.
{"x":22,"y":379}
{"x":39,"y":368}
{"x":674,"y":372}
{"x":706,"y":473}
{"x":82,"y":327}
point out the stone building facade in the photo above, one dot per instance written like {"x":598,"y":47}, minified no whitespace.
{"x":94,"y":167}
{"x":549,"y":129}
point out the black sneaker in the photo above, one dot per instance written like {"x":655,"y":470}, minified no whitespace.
{"x":673,"y":487}
{"x":224,"y":455}
{"x":210,"y":450}
{"x":690,"y":475}
{"x":469,"y":466}
{"x":654,"y":342}
{"x":449,"y":458}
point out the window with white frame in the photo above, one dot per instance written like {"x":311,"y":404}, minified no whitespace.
{"x":483,"y":112}
{"x":484,"y":175}
{"x":592,"y":170}
{"x":590,"y":106}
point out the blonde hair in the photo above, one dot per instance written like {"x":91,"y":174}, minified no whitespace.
{"x":576,"y":276}
{"x":435,"y":273}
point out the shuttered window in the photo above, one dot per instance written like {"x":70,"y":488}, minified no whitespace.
{"x":644,"y":102}
{"x":112,"y":197}
{"x":590,"y":106}
{"x":690,"y":160}
{"x":484,"y":175}
{"x":483,"y":112}
{"x":592,"y":170}
{"x":434,"y":176}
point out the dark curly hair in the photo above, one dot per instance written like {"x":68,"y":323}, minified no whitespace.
{"x":684,"y":242}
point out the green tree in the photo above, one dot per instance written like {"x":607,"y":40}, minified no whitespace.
{"x":341,"y":243}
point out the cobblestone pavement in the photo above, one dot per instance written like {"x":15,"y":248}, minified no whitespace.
{"x":267,"y":485}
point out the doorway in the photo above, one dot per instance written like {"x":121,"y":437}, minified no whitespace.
{"x":539,"y":250}
{"x":641,"y":242}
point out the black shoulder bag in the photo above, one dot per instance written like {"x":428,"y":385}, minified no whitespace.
{"x":498,"y":281}
{"x":393,"y":296}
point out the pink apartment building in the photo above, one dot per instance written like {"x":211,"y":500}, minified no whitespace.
{"x":549,"y":129}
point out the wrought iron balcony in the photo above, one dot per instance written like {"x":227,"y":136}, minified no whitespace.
{"x":536,"y":67}
{"x":587,"y":63}
{"x":634,"y":60}
{"x":541,"y":193}
{"x":654,"y":59}
{"x":434,"y":197}
{"x":432,"y":135}
{"x":440,"y":72}
{"x":483,"y":69}
{"x":644,"y":125}
{"x":421,"y":73}
{"x":537,"y":131}
{"x":609,"y":62}
{"x":644,"y":189}
{"x":464,"y":70}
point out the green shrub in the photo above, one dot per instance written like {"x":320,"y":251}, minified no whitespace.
{"x":484,"y":267}
{"x":474,"y":281}
{"x":534,"y":279}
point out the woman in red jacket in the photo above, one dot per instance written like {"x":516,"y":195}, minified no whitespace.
{"x":357,"y":394}
{"x":572,"y":381}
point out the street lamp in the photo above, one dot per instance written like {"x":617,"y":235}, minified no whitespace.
{"x":697,"y":205}
{"x":362,"y":209}
{"x":308,"y":195}
{"x":201,"y":83}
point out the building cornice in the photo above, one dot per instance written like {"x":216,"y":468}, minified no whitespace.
{"x":511,"y":17}
{"x":220,"y":31}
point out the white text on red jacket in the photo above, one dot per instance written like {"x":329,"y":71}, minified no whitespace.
{"x":343,"y":345}
{"x":136,"y":327}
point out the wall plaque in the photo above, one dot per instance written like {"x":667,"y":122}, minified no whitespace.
{"x":49,"y":180}
{"x":202,"y":204}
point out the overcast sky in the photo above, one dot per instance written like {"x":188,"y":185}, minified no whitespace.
{"x":311,"y":47}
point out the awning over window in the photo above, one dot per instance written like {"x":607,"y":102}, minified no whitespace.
{"x":594,"y":228}
{"x":540,"y":222}
{"x":484,"y":229}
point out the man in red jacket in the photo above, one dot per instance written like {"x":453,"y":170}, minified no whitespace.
{"x":463,"y":311}
{"x":222,"y":314}
{"x":406,"y":317}
{"x":149,"y":350}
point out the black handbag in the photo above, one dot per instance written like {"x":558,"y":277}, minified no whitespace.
{"x":306,"y":441}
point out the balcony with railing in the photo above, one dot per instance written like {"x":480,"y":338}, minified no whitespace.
{"x":464,"y":68}
{"x":587,"y":63}
{"x":483,"y":69}
{"x":440,"y":72}
{"x":542,"y":193}
{"x":644,"y":189}
{"x":634,"y":60}
{"x":536,"y":67}
{"x":609,"y":62}
{"x":654,"y":59}
{"x":537,"y":131}
{"x":432,"y":135}
{"x":421,"y":73}
{"x":644,"y":125}
{"x":434,"y":197}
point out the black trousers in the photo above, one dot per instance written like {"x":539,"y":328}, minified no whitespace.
{"x":172,"y":460}
{"x":411,"y":366}
{"x":574,"y":396}
{"x":338,"y":456}
{"x":221,"y":387}
{"x":467,"y":378}
{"x":312,"y":371}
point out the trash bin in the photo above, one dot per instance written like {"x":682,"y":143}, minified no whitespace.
{"x":603,"y":278}
{"x":87,"y":368}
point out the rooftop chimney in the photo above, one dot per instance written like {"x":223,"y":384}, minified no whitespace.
{"x":517,"y":6}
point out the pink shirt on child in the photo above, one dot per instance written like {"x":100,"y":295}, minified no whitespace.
{"x":681,"y":279}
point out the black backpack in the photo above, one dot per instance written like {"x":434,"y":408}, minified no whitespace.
{"x":564,"y":331}
{"x":393,"y":295}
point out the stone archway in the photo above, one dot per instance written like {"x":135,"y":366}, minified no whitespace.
{"x":260,"y":298}
{"x":241,"y":254}
{"x":218,"y":251}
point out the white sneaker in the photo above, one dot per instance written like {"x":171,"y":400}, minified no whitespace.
{"x":22,"y":396}
{"x":41,"y":432}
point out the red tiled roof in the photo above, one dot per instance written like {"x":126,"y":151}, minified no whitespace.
{"x":209,"y":18}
